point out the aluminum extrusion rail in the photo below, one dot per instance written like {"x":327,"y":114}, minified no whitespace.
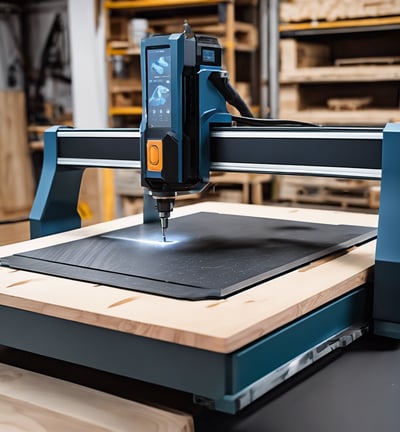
{"x":320,"y":151}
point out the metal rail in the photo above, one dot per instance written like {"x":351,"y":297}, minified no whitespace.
{"x":334,"y":152}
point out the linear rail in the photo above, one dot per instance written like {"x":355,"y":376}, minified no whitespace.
{"x":319,"y":151}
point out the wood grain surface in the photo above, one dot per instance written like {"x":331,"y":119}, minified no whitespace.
{"x":14,"y":232}
{"x":31,"y":402}
{"x":222,"y":325}
{"x":16,"y":177}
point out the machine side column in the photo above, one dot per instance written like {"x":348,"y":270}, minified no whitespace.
{"x":386,"y":312}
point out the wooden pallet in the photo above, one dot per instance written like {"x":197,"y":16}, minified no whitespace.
{"x":312,"y":62}
{"x":314,"y":104}
{"x":333,"y":10}
{"x":320,"y":190}
{"x":316,"y":88}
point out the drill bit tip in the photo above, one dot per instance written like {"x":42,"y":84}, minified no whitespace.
{"x":164,"y":230}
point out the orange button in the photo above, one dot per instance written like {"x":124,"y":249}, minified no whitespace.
{"x":154,"y":155}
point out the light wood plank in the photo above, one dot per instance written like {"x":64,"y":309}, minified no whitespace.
{"x":14,"y":232}
{"x":334,"y":10}
{"x":222,"y":325}
{"x":16,"y":177}
{"x":345,"y":104}
{"x":365,"y":116}
{"x":381,"y":60}
{"x":33,"y":402}
{"x":344,"y":74}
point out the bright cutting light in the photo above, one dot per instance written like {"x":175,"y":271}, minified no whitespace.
{"x":144,"y":241}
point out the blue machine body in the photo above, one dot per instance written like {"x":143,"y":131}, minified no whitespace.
{"x":182,"y":66}
{"x":179,"y":106}
{"x":55,"y":208}
{"x":386,"y":312}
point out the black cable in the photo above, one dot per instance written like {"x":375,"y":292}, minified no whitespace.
{"x":13,"y":221}
{"x":221,"y":82}
{"x":251,"y":121}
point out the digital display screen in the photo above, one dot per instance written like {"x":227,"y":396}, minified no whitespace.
{"x":159,"y":87}
{"x":208,"y":56}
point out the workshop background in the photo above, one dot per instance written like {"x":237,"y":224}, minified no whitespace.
{"x":72,"y":62}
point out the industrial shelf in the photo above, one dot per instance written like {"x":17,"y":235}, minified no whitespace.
{"x":128,"y":50}
{"x":348,"y":78}
{"x":129,"y":110}
{"x":150,"y":4}
{"x":217,"y":17}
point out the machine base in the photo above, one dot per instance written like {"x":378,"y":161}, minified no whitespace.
{"x":227,"y":382}
{"x":387,"y":329}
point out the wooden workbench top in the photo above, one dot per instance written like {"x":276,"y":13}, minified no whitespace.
{"x":32,"y":402}
{"x":216,"y":325}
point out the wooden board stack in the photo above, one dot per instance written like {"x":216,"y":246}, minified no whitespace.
{"x":317,"y":85}
{"x":323,"y":190}
{"x":332,"y":10}
{"x":33,"y":402}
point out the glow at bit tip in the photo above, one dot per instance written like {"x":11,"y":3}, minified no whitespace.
{"x":149,"y":242}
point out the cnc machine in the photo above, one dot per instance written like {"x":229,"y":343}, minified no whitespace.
{"x":221,"y":296}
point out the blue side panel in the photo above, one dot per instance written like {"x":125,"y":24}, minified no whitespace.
{"x":54,"y":209}
{"x":254,"y":362}
{"x":146,"y":359}
{"x":212,"y":107}
{"x":386,"y":311}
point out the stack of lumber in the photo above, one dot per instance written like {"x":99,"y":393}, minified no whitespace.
{"x":321,"y":190}
{"x":32,"y":402}
{"x":332,"y":10}
{"x":319,"y":87}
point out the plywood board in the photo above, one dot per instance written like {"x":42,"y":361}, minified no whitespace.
{"x":216,"y":325}
{"x":16,"y":177}
{"x":366,"y":116}
{"x":32,"y":402}
{"x":332,"y":10}
{"x":346,"y":74}
{"x":14,"y":232}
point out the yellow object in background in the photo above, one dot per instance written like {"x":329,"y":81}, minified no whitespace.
{"x":84,"y":210}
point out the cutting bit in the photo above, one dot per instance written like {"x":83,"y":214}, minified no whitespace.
{"x":165,"y":205}
{"x":164,"y":226}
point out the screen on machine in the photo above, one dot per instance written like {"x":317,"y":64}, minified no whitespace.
{"x":159,"y":87}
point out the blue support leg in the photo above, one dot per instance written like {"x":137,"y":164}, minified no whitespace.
{"x":386,"y":310}
{"x":54,"y":209}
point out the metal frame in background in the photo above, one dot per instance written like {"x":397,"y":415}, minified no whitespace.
{"x":269,"y":58}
